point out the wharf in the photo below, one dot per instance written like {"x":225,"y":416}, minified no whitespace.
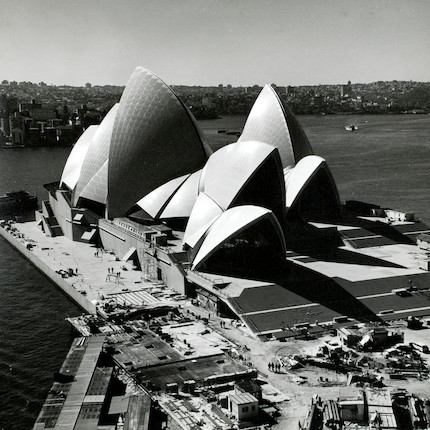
{"x":66,"y":401}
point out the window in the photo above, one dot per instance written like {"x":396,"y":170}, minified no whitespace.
{"x":245,"y":409}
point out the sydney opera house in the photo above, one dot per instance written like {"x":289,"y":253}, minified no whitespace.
{"x":255,"y":230}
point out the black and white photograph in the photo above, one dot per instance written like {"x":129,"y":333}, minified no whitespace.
{"x":215,"y":214}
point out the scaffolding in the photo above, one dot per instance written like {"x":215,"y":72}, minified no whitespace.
{"x":147,"y":256}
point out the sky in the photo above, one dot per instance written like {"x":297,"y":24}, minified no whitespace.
{"x":211,"y":42}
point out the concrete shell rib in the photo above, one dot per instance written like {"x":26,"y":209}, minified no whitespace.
{"x":298,"y":178}
{"x":154,"y":202}
{"x":273,"y":123}
{"x":230,"y":168}
{"x":182,"y":202}
{"x":96,"y":157}
{"x":73,"y":166}
{"x":154,"y":140}
{"x":231,"y":223}
{"x":204,"y":213}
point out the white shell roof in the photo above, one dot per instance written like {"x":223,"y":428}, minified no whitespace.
{"x":287,"y":172}
{"x":229,"y":224}
{"x":273,"y":123}
{"x":155,"y":201}
{"x":154,"y":140}
{"x":96,"y":157}
{"x":204,"y":213}
{"x":96,"y":189}
{"x":301,"y":175}
{"x":72,"y":168}
{"x":182,"y":202}
{"x":229,"y":169}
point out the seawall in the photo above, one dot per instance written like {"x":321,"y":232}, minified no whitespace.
{"x":43,"y":267}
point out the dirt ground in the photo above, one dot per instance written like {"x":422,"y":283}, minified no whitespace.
{"x":301,"y":385}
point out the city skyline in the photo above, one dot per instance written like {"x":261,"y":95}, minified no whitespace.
{"x":206,"y":43}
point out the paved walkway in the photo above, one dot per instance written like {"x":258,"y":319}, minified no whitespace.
{"x":94,"y":271}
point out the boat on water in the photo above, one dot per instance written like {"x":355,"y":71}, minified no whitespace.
{"x":230,"y":132}
{"x":16,"y":202}
{"x":351,"y":127}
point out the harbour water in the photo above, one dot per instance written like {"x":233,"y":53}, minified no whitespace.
{"x":387,"y":162}
{"x":34,"y":338}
